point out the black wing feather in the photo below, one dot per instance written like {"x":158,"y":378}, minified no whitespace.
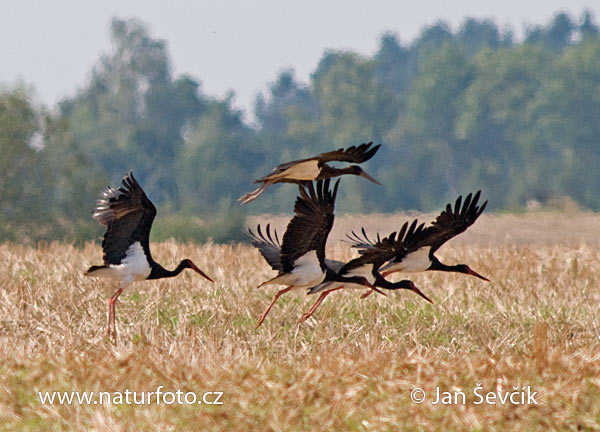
{"x":452,"y":222}
{"x":309,"y":228}
{"x":128,"y":215}
{"x":397,"y":244}
{"x":268,"y":246}
{"x":354,"y":154}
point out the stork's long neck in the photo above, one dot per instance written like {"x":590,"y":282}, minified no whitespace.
{"x":439,"y":266}
{"x":159,"y":272}
{"x":382,"y":282}
{"x":332,"y":275}
{"x":329,"y":171}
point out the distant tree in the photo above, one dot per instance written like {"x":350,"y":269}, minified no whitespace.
{"x":496,"y":124}
{"x":133,"y":113}
{"x":587,"y":28}
{"x":393,"y":66}
{"x":456,"y":111}
{"x":569,"y":106}
{"x":44,"y":177}
{"x":22,"y":183}
{"x":432,"y":38}
{"x":474,"y":35}
{"x":217,"y":160}
{"x":73,"y":182}
{"x":354,"y":106}
{"x":426,"y":134}
{"x":556,"y":36}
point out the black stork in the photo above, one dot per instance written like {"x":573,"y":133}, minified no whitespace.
{"x":368,"y":264}
{"x":316,"y":168}
{"x":300,"y":259}
{"x":128,"y":215}
{"x":418,"y":253}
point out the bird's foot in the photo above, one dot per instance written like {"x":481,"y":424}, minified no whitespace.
{"x":367,"y":294}
{"x":260,"y":320}
{"x":304,"y":317}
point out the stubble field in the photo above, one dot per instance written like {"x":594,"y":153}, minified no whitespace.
{"x":352,"y":366}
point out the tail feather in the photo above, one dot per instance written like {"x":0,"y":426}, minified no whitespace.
{"x":320,"y":287}
{"x":277,"y":280}
{"x":95,"y":270}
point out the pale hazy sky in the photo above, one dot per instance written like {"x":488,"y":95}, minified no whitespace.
{"x":230,"y":44}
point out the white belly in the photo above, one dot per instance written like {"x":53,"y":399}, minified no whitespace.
{"x":133,"y":267}
{"x":308,"y":170}
{"x":365,"y":271}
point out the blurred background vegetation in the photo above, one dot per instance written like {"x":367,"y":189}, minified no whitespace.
{"x":456,"y":111}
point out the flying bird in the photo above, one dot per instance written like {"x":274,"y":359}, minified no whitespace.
{"x":316,"y":168}
{"x":368,"y":263}
{"x":300,"y":258}
{"x":417,"y":254}
{"x":128,"y":215}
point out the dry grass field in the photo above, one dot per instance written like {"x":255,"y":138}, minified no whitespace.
{"x":350,"y":367}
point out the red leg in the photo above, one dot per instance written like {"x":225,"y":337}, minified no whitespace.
{"x":111,"y":315}
{"x":314,"y":307}
{"x":368,"y":293}
{"x":264,"y":315}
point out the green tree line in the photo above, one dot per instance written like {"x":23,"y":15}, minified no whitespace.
{"x":456,"y":111}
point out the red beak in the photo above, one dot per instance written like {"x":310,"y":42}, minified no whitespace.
{"x":200,"y":272}
{"x":374,"y":288}
{"x":473,"y":273}
{"x":418,"y":291}
{"x":368,"y":177}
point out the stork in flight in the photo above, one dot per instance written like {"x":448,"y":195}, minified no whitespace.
{"x":300,"y":258}
{"x":316,"y":168}
{"x":128,"y":215}
{"x":417,"y":254}
{"x":368,"y":265}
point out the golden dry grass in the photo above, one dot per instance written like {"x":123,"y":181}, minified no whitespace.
{"x":352,"y":367}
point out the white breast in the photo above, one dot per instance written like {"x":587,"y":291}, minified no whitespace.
{"x":133,"y":267}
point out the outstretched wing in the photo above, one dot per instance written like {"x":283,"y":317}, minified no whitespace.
{"x":268,"y":245}
{"x":300,"y":170}
{"x":128,"y":215}
{"x":377,"y":252}
{"x":354,"y":154}
{"x":452,"y":222}
{"x":309,"y":228}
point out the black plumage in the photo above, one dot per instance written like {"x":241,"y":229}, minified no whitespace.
{"x":309,"y":228}
{"x":316,"y":168}
{"x":382,"y":250}
{"x":128,"y":215}
{"x":419,"y":239}
{"x":451,"y":223}
{"x":268,"y":245}
{"x":300,"y":258}
{"x":372,"y":256}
